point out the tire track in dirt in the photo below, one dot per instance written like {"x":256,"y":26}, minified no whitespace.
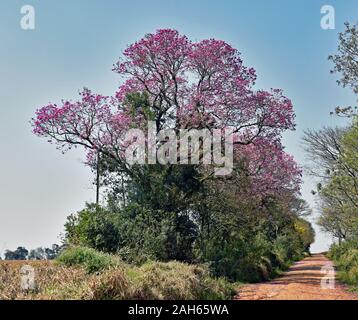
{"x":301,"y":282}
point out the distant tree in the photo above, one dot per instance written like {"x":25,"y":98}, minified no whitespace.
{"x":44,"y":253}
{"x":37,"y":254}
{"x":51,"y":253}
{"x":9,"y":255}
{"x":20,"y":253}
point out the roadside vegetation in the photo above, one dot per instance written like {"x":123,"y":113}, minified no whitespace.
{"x":345,"y":256}
{"x":86,"y":274}
{"x":334,"y":161}
{"x":247,"y":225}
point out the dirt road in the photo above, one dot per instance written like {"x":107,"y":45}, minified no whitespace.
{"x":303,"y":281}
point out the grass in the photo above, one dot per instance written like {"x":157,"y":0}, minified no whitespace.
{"x":177,"y":281}
{"x":345,"y":257}
{"x":49,"y":280}
{"x":88,"y":275}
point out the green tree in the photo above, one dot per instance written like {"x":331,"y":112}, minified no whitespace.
{"x":94,"y":227}
{"x":346,"y":64}
{"x":333,"y":154}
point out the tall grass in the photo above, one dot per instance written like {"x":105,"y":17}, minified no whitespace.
{"x":85,"y":274}
{"x":345,"y":257}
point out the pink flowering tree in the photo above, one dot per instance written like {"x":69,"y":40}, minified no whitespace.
{"x":181,"y":85}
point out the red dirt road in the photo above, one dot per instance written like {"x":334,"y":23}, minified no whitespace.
{"x":301,"y":282}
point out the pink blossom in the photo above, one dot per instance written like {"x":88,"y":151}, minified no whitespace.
{"x":189,"y":85}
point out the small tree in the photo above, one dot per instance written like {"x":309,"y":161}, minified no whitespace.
{"x":94,"y":227}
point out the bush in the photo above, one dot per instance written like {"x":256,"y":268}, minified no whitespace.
{"x":94,"y":227}
{"x":286,"y":249}
{"x":177,"y":281}
{"x":253,"y":259}
{"x":90,"y":259}
{"x":345,"y":257}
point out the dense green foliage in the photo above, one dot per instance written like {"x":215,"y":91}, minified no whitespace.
{"x":94,"y":227}
{"x":90,"y":259}
{"x":169,"y":212}
{"x":237,"y":237}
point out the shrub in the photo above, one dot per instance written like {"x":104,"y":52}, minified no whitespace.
{"x":94,"y":227}
{"x":90,"y":259}
{"x":348,"y":259}
{"x":177,"y":281}
{"x":345,"y":257}
{"x":286,"y":249}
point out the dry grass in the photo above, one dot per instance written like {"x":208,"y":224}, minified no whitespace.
{"x":169,"y":281}
{"x":153,"y":280}
{"x":49,"y":280}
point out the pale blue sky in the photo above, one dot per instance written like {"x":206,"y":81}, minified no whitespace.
{"x":75,"y":44}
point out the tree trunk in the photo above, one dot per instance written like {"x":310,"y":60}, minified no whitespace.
{"x":97,"y":178}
